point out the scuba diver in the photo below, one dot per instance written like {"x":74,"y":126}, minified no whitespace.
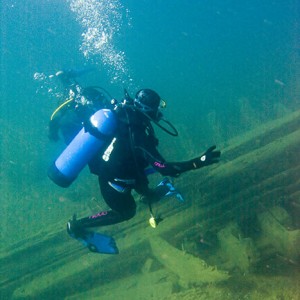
{"x":81,"y":103}
{"x":121,"y":144}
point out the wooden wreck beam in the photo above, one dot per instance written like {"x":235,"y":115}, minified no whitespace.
{"x":255,"y":167}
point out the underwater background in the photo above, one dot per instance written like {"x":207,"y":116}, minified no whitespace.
{"x":223,"y":67}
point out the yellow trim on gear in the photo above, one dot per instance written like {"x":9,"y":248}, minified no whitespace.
{"x":61,"y":106}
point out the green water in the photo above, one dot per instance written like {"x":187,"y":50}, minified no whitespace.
{"x":224,"y":68}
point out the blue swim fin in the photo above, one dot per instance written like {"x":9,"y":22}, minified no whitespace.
{"x":100,"y":243}
{"x":170,"y":189}
{"x":96,"y":242}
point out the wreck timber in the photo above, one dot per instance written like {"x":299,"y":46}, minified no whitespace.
{"x":258,"y":171}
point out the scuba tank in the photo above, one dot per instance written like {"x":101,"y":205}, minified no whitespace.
{"x":95,"y":135}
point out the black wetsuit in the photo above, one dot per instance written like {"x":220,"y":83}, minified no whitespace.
{"x":134,"y":149}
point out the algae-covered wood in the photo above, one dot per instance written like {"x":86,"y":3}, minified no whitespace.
{"x":189,"y":269}
{"x":258,"y":171}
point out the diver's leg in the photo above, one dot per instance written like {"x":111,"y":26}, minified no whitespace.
{"x":122,"y":206}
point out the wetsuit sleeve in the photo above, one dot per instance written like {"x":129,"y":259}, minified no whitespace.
{"x":165,"y":168}
{"x":211,"y":156}
{"x":172,"y":168}
{"x":54,"y":126}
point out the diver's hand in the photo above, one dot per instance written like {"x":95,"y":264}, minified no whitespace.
{"x":211,"y":156}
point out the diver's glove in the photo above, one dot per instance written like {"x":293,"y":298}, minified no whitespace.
{"x":211,"y":156}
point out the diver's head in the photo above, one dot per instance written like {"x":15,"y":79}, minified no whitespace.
{"x":148,"y":102}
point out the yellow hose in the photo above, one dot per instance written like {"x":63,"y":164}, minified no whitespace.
{"x":61,"y":106}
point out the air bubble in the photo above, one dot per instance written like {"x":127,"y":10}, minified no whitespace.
{"x":101,"y":21}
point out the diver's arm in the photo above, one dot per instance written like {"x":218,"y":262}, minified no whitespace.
{"x":211,"y":156}
{"x":55,"y":122}
{"x":53,"y":129}
{"x":68,"y":77}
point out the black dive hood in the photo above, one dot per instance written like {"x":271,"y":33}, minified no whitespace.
{"x":170,"y":128}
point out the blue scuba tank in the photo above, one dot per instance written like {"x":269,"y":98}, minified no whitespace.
{"x":86,"y":144}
